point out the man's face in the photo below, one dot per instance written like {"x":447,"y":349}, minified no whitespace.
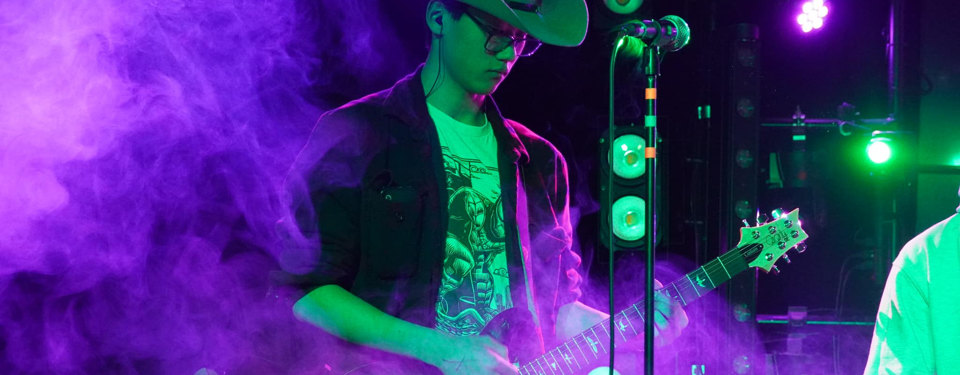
{"x":465,"y":57}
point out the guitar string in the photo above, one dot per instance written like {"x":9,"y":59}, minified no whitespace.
{"x":746,"y":252}
{"x":683,"y":289}
{"x":710,"y":269}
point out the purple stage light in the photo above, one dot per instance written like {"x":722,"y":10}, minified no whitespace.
{"x":812,"y":16}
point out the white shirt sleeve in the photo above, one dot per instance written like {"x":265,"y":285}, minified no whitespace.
{"x":902,"y":338}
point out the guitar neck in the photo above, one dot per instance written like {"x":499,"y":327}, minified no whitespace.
{"x":574,"y":355}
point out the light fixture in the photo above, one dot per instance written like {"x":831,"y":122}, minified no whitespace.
{"x":814,"y":12}
{"x":879,"y":150}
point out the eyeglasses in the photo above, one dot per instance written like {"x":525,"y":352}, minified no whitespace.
{"x":498,"y":41}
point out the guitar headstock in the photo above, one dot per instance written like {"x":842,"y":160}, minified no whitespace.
{"x":774,"y":239}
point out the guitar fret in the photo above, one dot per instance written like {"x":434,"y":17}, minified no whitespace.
{"x":618,"y":330}
{"x":575,"y":360}
{"x":724,"y":268}
{"x":592,"y":342}
{"x":693,"y":285}
{"x":566,"y":359}
{"x":606,"y":337}
{"x":557,"y":363}
{"x":585,"y":359}
{"x":682,"y":300}
{"x":734,"y":261}
{"x":542,"y":371}
{"x":627,"y":318}
{"x":718,"y":274}
{"x":639,"y":314}
{"x":597,"y":343}
{"x":551,"y":364}
{"x":533,"y":366}
{"x":712,"y":284}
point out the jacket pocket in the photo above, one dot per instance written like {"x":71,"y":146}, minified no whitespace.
{"x":392,"y":230}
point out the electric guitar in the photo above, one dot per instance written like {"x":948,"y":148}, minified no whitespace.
{"x":760,"y":246}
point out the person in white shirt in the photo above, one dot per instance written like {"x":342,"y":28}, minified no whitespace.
{"x":917,"y":329}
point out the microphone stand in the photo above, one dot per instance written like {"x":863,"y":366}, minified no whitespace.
{"x":651,"y":70}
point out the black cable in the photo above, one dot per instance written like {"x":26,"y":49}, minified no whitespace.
{"x":436,"y":80}
{"x":838,"y":299}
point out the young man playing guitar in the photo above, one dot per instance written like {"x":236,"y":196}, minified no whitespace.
{"x":434,"y":214}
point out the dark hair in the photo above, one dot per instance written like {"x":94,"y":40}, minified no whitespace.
{"x":456,"y":9}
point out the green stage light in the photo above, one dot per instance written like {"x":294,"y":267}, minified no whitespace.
{"x":879,"y":150}
{"x":629,"y":216}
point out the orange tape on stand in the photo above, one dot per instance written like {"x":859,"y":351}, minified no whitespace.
{"x":650,"y":152}
{"x":650,"y":94}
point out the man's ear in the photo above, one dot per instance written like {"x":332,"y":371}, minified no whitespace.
{"x":435,"y":15}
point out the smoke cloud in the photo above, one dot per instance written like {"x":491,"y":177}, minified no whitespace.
{"x":142,"y":145}
{"x":142,"y":148}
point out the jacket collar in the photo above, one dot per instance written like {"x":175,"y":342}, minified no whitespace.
{"x":407,"y":101}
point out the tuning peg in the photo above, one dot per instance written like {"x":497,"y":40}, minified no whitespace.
{"x":801,"y":247}
{"x":786,"y":258}
{"x":776,"y":213}
{"x":745,"y":223}
{"x":774,"y":270}
{"x":762,"y":219}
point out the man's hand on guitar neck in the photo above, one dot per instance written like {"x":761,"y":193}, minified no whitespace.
{"x":669,"y":319}
{"x":470,"y":355}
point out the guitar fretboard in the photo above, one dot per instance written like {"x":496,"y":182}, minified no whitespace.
{"x":590,"y":346}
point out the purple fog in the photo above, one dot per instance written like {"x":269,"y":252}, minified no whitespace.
{"x":142,"y":145}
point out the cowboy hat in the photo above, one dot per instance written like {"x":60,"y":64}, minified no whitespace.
{"x":557,"y":22}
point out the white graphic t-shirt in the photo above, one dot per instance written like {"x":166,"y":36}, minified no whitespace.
{"x":476,"y":284}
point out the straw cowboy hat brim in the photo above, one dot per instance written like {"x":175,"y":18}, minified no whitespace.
{"x":557,"y":22}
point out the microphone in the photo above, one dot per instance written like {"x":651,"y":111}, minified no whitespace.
{"x":670,"y":32}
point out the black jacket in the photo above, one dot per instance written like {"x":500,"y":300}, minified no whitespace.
{"x":369,"y":188}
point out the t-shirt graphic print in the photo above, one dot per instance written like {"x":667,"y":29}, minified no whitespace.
{"x":476,"y":284}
